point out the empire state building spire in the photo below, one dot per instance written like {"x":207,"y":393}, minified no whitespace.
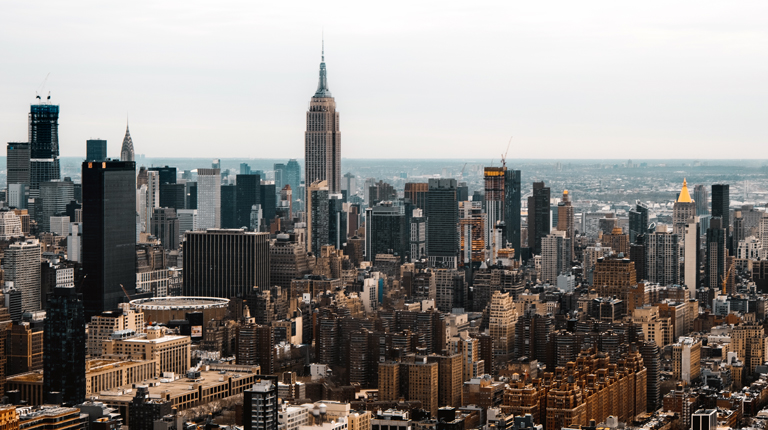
{"x":322,"y":140}
{"x":322,"y":85}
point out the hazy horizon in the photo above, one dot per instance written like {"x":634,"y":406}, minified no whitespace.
{"x":233,"y":79}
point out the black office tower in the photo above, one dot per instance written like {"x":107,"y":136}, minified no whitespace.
{"x":337,"y":221}
{"x":384,"y":231}
{"x":64,"y":346}
{"x":167,"y":174}
{"x":538,"y":216}
{"x":225,"y":263}
{"x":248,"y":194}
{"x":228,"y":219}
{"x":109,"y":234}
{"x":442,"y":213}
{"x":44,"y":145}
{"x":512,"y":208}
{"x":95,"y":150}
{"x":721,"y":208}
{"x":638,"y":221}
{"x":145,"y":410}
{"x":172,"y":196}
{"x":268,"y":203}
{"x":18,"y":163}
{"x":716,"y":253}
{"x":260,"y":405}
{"x":191,"y":200}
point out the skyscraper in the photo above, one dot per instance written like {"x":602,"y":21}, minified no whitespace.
{"x":683,"y":209}
{"x":638,"y":221}
{"x":165,"y":227}
{"x":18,"y":157}
{"x":225,"y":263}
{"x":260,"y":405}
{"x":208,"y":198}
{"x":565,"y":218}
{"x":167,"y":174}
{"x":322,"y":141}
{"x":512,"y":207}
{"x":247,"y":195}
{"x":494,"y":208}
{"x":442,"y":212}
{"x":716,"y":252}
{"x":721,"y":207}
{"x":662,"y":257}
{"x":109,"y":234}
{"x":555,"y":255}
{"x":701,"y":197}
{"x":95,"y":150}
{"x":64,"y":346}
{"x":22,"y":267}
{"x":691,"y":255}
{"x":126,"y":151}
{"x":384,"y":231}
{"x":538,"y":216}
{"x":228,"y":206}
{"x":43,"y":145}
{"x":318,"y":228}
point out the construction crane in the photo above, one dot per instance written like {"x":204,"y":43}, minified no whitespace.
{"x":40,"y":88}
{"x":504,"y":155}
{"x":125,"y":292}
{"x":725,"y":279}
{"x":462,"y":170}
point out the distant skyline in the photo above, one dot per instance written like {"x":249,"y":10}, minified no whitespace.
{"x":569,"y":80}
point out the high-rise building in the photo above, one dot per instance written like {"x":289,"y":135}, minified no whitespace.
{"x":322,"y":140}
{"x":512,"y":208}
{"x":247,"y":195}
{"x":565,"y":218}
{"x":495,"y":203}
{"x":418,"y":235}
{"x":555,"y":255}
{"x":450,"y":290}
{"x":538,"y":216}
{"x":126,"y":151}
{"x":417,"y":193}
{"x":683,"y":209}
{"x":442,"y":213}
{"x":287,"y":261}
{"x":662,"y":257}
{"x":686,"y":359}
{"x":64,"y":346}
{"x":268,"y":201}
{"x":638,"y":221}
{"x":701,"y":197}
{"x":384,"y":231}
{"x":228,"y":206}
{"x":172,"y":195}
{"x":260,"y":405}
{"x":318,"y":233}
{"x":716,"y":253}
{"x":95,"y":150}
{"x":691,"y":248}
{"x":502,"y":322}
{"x":22,"y":267}
{"x":225,"y":263}
{"x":256,"y":344}
{"x":165,"y":227}
{"x":473,"y":247}
{"x":55,"y":196}
{"x":337,"y":221}
{"x":208,"y":198}
{"x":145,"y":410}
{"x":167,"y":174}
{"x":109,"y":234}
{"x":721,"y":207}
{"x":5,"y":327}
{"x":704,"y":419}
{"x":43,"y":145}
{"x":18,"y":164}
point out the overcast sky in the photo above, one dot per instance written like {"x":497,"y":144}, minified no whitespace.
{"x":442,"y":79}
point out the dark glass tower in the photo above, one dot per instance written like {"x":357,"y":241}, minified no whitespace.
{"x":716,"y":253}
{"x":268,"y":198}
{"x":248,"y":193}
{"x":384,"y":231}
{"x":225,"y":263}
{"x":167,"y":174}
{"x":44,"y":145}
{"x":228,"y":206}
{"x":95,"y":150}
{"x":721,"y":208}
{"x":538,"y":216}
{"x":109,"y":234}
{"x":442,"y":213}
{"x":512,"y":208}
{"x":638,"y":222}
{"x":64,"y":346}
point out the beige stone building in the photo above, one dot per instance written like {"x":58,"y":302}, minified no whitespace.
{"x":502,"y":321}
{"x":656,"y":328}
{"x":125,"y":322}
{"x":170,"y":352}
{"x":686,"y":359}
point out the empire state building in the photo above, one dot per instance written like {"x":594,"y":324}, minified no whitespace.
{"x":322,"y":141}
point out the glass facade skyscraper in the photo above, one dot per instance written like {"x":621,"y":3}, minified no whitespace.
{"x":44,"y":145}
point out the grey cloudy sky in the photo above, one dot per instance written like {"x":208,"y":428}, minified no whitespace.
{"x":447,"y":79}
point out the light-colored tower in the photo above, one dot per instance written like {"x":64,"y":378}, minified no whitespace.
{"x":208,"y":198}
{"x":322,"y":141}
{"x":126,"y":152}
{"x":691,"y":255}
{"x":502,"y":321}
{"x":683,"y":209}
{"x":565,"y":218}
{"x":22,"y":267}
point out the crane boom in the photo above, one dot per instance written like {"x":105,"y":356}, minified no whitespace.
{"x":504,"y":156}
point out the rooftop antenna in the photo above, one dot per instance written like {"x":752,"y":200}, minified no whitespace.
{"x":322,"y":51}
{"x":504,"y":155}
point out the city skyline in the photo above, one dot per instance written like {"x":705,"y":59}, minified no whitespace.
{"x":665,"y":84}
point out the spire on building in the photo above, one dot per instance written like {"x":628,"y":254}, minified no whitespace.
{"x":322,"y":85}
{"x":685,"y":196}
{"x":126,"y":152}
